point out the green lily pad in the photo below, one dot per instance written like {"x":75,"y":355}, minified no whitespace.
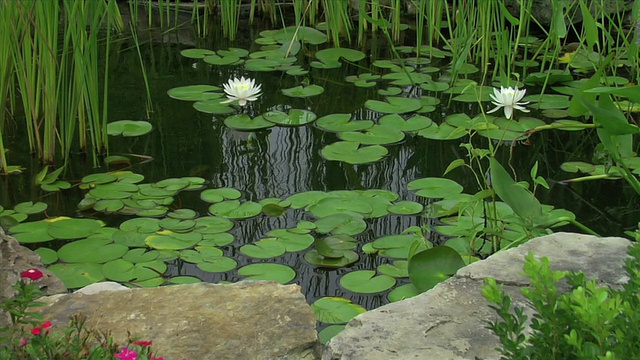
{"x":182,"y":280}
{"x":366,"y":282}
{"x":415,"y":123}
{"x":196,"y":53}
{"x":295,"y":117}
{"x":48,"y":256}
{"x":577,"y":166}
{"x":443,"y":131}
{"x":141,"y":255}
{"x":220,"y":194}
{"x":244,"y":122}
{"x":314,"y":258}
{"x":430,"y":267}
{"x":336,"y":310}
{"x":329,"y":332}
{"x":342,"y":122}
{"x":399,"y":269}
{"x":264,"y":249}
{"x":375,"y":135}
{"x":91,"y":251}
{"x":212,"y":225}
{"x":195,"y":93}
{"x":305,"y":198}
{"x":141,"y":225}
{"x":30,"y":207}
{"x":66,"y":228}
{"x":168,"y":240}
{"x":341,"y":223}
{"x":334,"y":205}
{"x":403,"y":292}
{"x":267,"y":271}
{"x":329,"y":57}
{"x":334,"y":246}
{"x":128,"y":128}
{"x":214,"y":106}
{"x":234,"y":209}
{"x":303,"y":92}
{"x":405,"y":208}
{"x":435,"y":187}
{"x":351,"y":152}
{"x":396,"y":246}
{"x":218,"y":60}
{"x":292,"y":242}
{"x":218,"y":264}
{"x":219,"y":239}
{"x":78,"y":275}
{"x":394,"y":105}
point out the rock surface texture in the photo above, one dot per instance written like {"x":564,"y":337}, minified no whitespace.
{"x":245,"y":320}
{"x":449,"y":321}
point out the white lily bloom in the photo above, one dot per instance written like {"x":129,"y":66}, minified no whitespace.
{"x":242,"y":90}
{"x":509,"y":98}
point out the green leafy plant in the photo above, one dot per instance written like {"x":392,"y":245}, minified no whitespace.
{"x":41,"y":341}
{"x":587,"y":322}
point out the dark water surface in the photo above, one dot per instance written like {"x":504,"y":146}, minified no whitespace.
{"x":283,"y":161}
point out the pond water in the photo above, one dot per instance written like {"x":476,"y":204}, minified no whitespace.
{"x":283,"y":161}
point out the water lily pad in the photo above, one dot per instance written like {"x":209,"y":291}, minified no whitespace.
{"x":414,"y":123}
{"x":443,"y":131}
{"x":399,"y":269}
{"x":395,"y":246}
{"x":334,"y":205}
{"x":234,"y":209}
{"x":48,"y":256}
{"x":264,"y":249}
{"x":314,"y":258}
{"x":91,"y":251}
{"x":182,"y":280}
{"x":405,"y":208}
{"x":303,"y":92}
{"x":336,"y":310}
{"x":292,"y":242}
{"x":220,"y":194}
{"x":78,"y":275}
{"x":394,"y":105}
{"x":114,"y":190}
{"x":217,"y":60}
{"x":403,"y":292}
{"x":213,"y":225}
{"x":375,"y":135}
{"x":168,"y":240}
{"x":342,"y":122}
{"x":366,"y":282}
{"x":430,"y":267}
{"x":244,"y":122}
{"x":128,"y":128}
{"x":329,"y":332}
{"x":214,"y":106}
{"x":405,"y":79}
{"x":295,"y":117}
{"x":219,"y":239}
{"x":31,"y":232}
{"x":30,"y":207}
{"x":182,"y":214}
{"x":341,"y":223}
{"x":195,"y":92}
{"x":351,"y":152}
{"x":435,"y":187}
{"x":333,"y":55}
{"x":217,"y":264}
{"x":141,"y":255}
{"x":177,"y":225}
{"x":334,"y":246}
{"x":196,"y":53}
{"x":267,"y":271}
{"x":577,"y":166}
{"x":66,"y":228}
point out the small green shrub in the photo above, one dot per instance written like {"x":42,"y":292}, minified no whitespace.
{"x":587,"y":322}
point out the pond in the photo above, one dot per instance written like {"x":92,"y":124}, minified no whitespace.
{"x":195,"y":152}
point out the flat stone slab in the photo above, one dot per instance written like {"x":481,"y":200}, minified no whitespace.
{"x":245,"y":320}
{"x":449,"y":321}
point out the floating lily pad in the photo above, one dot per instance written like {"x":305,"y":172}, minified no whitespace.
{"x":435,"y":187}
{"x":91,"y":251}
{"x":217,"y":60}
{"x":141,"y":255}
{"x":31,"y":232}
{"x":399,"y":269}
{"x":303,"y":92}
{"x":403,"y":292}
{"x":414,"y":123}
{"x":168,"y":240}
{"x":213,"y":225}
{"x":351,"y":152}
{"x":314,"y":258}
{"x":443,"y":131}
{"x":430,"y":267}
{"x":141,"y":225}
{"x":182,"y":280}
{"x":366,"y":282}
{"x":128,"y":128}
{"x":267,"y":271}
{"x":334,"y":246}
{"x":334,"y":205}
{"x":305,"y":198}
{"x":330,"y":58}
{"x":264,"y":249}
{"x":214,"y":106}
{"x":234,"y":209}
{"x":195,"y":92}
{"x":220,"y":194}
{"x":336,"y":310}
{"x":48,"y":256}
{"x":405,"y":208}
{"x":244,"y":122}
{"x":220,"y":239}
{"x":196,"y":53}
{"x":396,"y":246}
{"x":295,"y":117}
{"x":78,"y":275}
{"x":292,"y":242}
{"x":394,"y":105}
{"x":30,"y":207}
{"x":329,"y":332}
{"x":375,"y":135}
{"x":218,"y":265}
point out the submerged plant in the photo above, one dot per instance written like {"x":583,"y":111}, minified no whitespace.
{"x":509,"y":99}
{"x":242,"y":90}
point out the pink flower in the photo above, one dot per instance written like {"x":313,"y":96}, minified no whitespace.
{"x":126,"y":354}
{"x":23,"y":342}
{"x":36,"y":330}
{"x":46,"y":325}
{"x":143,"y":343}
{"x":33,"y":274}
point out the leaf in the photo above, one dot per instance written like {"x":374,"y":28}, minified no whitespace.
{"x":335,"y":310}
{"x":432,"y":266}
{"x":366,"y":282}
{"x":303,"y":92}
{"x":521,"y":200}
{"x":267,"y":271}
{"x":128,"y":128}
{"x":351,"y":152}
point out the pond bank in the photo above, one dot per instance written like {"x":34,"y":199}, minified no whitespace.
{"x":265,"y":320}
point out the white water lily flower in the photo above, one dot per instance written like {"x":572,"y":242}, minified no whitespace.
{"x":509,"y":99}
{"x":242,"y":90}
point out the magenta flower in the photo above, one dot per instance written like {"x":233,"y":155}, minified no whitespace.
{"x":126,"y":354}
{"x":33,"y":274}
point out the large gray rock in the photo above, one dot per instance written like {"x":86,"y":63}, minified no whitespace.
{"x":449,"y":321}
{"x":245,"y":320}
